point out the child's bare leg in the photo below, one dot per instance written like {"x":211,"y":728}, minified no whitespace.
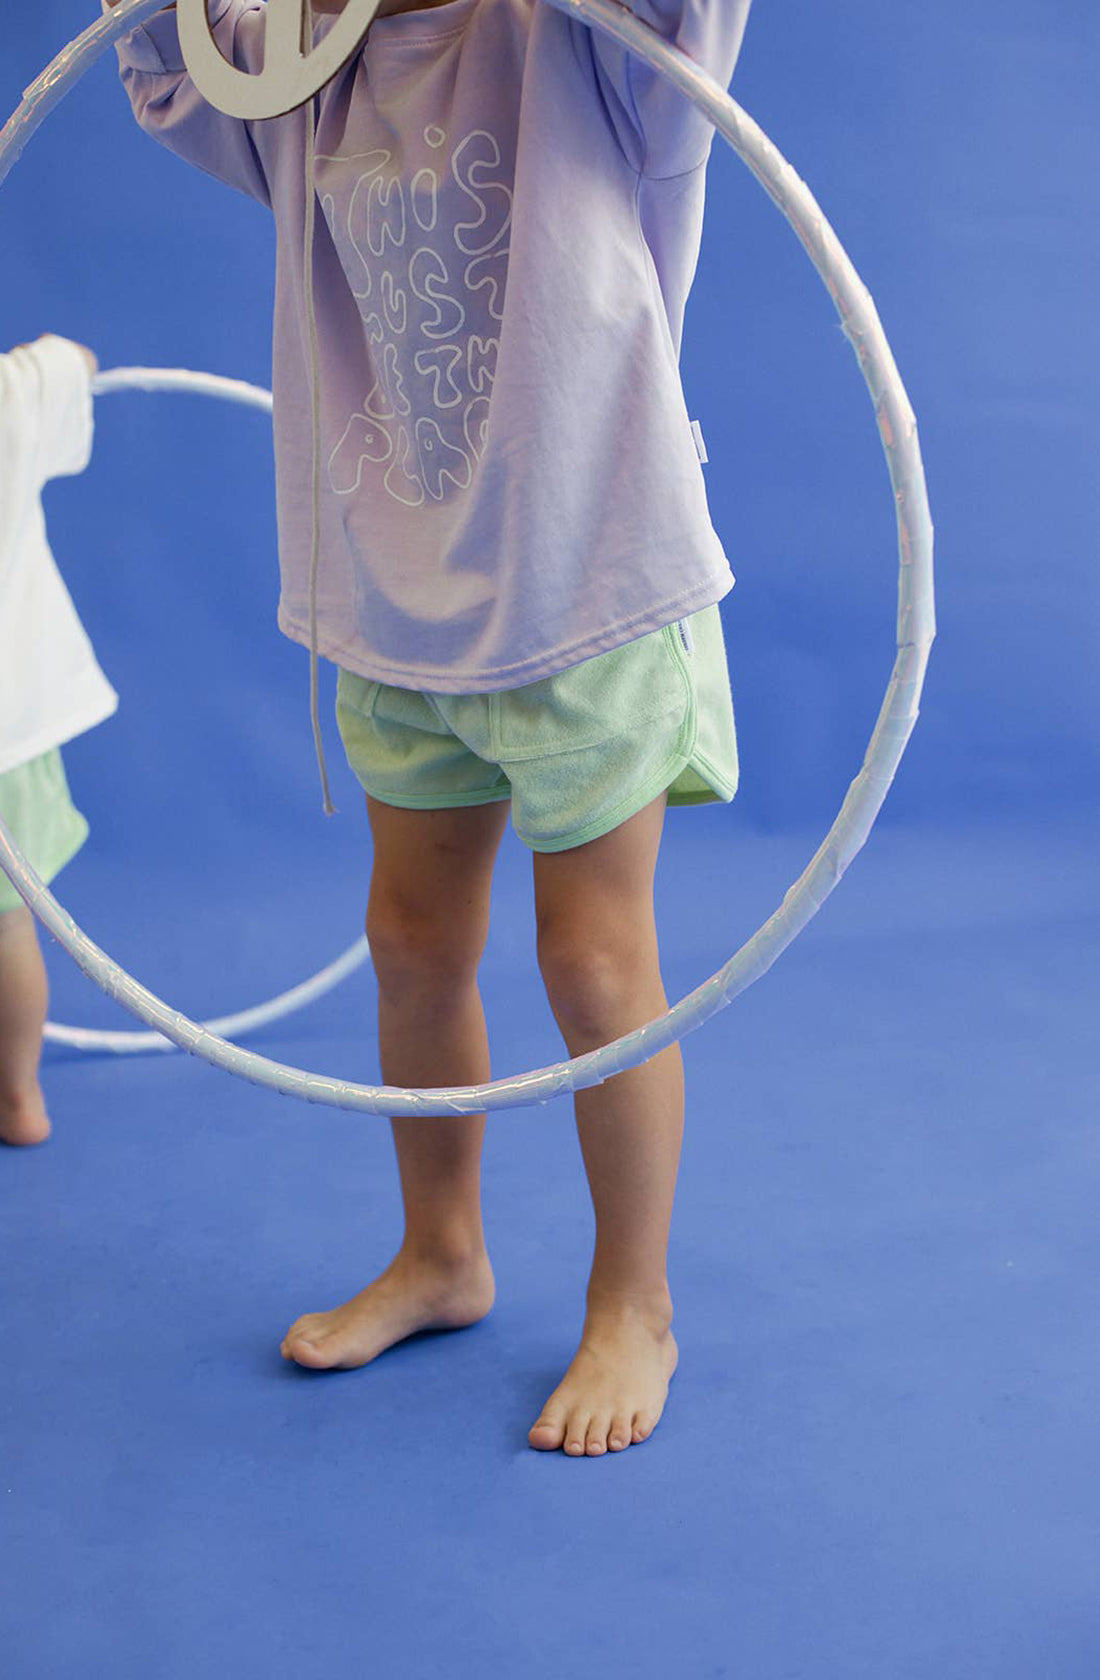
{"x":427,"y":923}
{"x":23,"y":1002}
{"x":598,"y":955}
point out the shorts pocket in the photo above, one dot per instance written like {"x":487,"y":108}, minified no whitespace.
{"x":614,"y":693}
{"x":356,"y":696}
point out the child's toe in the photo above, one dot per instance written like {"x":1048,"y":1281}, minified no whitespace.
{"x":548,"y":1433}
{"x":304,"y":1341}
{"x":619,"y":1434}
{"x":598,"y":1430}
{"x":576,"y":1433}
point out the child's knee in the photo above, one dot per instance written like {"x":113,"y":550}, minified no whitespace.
{"x":426,"y":951}
{"x":592,"y":984}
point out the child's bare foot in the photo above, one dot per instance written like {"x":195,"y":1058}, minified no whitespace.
{"x":412,"y":1294}
{"x":615,"y":1390}
{"x":24,"y":1120}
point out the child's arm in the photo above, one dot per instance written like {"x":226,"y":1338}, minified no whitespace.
{"x":46,"y":421}
{"x":662,"y":132}
{"x":169,"y":106}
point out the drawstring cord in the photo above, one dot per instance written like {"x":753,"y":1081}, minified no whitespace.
{"x":314,"y":355}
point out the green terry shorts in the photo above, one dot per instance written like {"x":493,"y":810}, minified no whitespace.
{"x":577,"y":753}
{"x":46,"y":825}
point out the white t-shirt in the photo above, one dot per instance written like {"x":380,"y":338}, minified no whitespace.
{"x":51,"y":687}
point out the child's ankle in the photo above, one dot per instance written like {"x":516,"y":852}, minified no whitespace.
{"x":446,"y":1251}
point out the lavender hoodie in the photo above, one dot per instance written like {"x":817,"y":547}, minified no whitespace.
{"x":512,"y":210}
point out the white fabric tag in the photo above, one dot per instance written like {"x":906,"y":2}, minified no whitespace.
{"x":697,"y":434}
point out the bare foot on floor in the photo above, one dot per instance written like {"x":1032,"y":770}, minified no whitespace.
{"x":24,"y":1121}
{"x":614,"y":1392}
{"x":410,"y":1295}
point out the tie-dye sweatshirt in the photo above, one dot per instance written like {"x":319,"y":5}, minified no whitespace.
{"x":512,"y":211}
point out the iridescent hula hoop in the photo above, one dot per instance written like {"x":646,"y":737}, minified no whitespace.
{"x":286,"y":1003}
{"x":915,"y":633}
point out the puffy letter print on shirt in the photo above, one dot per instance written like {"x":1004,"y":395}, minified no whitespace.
{"x":363,"y":441}
{"x":425,"y":251}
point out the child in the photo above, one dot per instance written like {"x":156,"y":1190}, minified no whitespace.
{"x":50,"y":688}
{"x":516,"y":575}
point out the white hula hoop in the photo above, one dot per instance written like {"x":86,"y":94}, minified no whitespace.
{"x":915,"y":633}
{"x":286,"y":1003}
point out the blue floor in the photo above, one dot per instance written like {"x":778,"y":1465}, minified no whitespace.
{"x":879,"y":1456}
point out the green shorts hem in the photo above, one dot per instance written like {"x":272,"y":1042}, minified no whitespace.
{"x":440,"y":801}
{"x":594,"y":830}
{"x":563,"y":749}
{"x":716,"y":788}
{"x":47,"y":827}
{"x":599,"y":826}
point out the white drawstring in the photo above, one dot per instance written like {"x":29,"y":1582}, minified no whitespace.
{"x":314,"y":355}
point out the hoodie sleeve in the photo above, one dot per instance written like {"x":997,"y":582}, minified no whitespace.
{"x":46,"y":421}
{"x":168,"y":105}
{"x":662,"y":132}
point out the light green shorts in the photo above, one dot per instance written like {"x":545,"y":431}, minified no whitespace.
{"x":45,"y":824}
{"x":577,"y":753}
